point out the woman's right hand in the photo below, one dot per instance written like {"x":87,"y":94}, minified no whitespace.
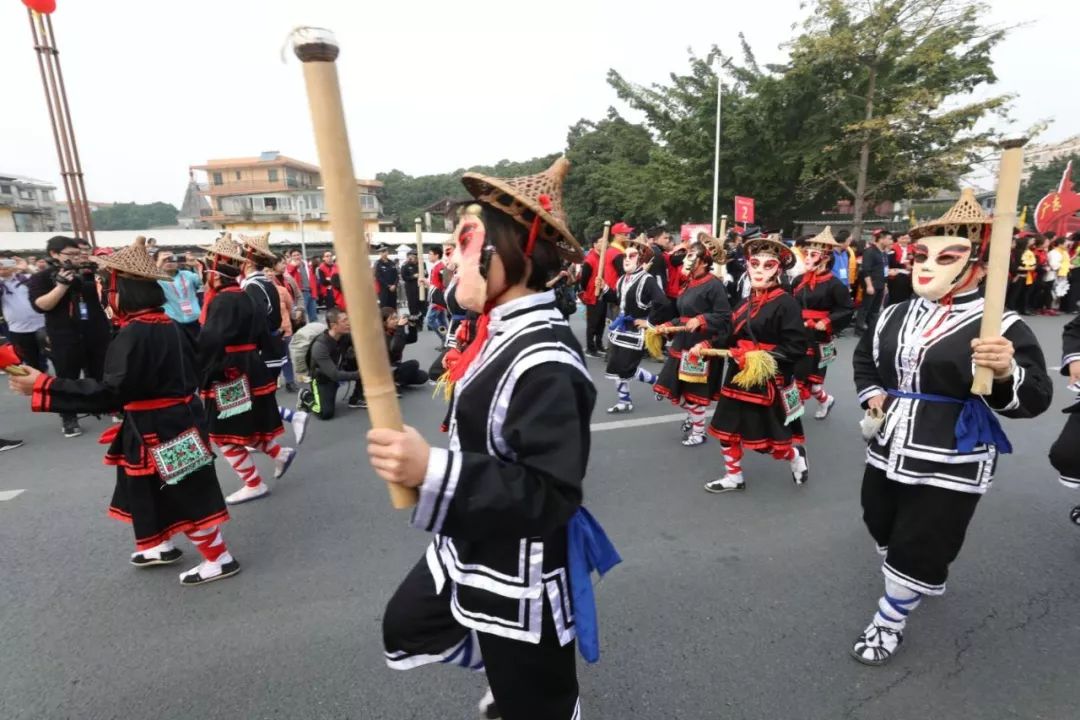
{"x":877,"y":402}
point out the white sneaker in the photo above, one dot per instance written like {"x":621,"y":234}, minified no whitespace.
{"x":283,"y":461}
{"x":725,"y":484}
{"x":823,"y":410}
{"x":488,"y":710}
{"x":247,"y":494}
{"x":299,"y":425}
{"x":620,"y":407}
{"x":693,"y":440}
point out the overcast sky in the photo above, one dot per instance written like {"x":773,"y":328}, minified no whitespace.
{"x":156,"y":87}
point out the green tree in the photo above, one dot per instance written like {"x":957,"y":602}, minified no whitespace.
{"x":1042,"y":181}
{"x":133,"y":216}
{"x":404,"y":197}
{"x":892,"y":76}
{"x":612,"y":176}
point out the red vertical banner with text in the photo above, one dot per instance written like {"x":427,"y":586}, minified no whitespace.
{"x":744,"y":210}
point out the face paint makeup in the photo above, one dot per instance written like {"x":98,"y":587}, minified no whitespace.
{"x":764,"y":270}
{"x":938,"y":264}
{"x":814,"y":259}
{"x":630,"y":261}
{"x":473,"y":257}
{"x":689,"y":262}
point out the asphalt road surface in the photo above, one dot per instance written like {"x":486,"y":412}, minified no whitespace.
{"x":732,"y":606}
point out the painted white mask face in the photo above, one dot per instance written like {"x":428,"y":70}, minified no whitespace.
{"x":938,"y":263}
{"x":689,"y":262}
{"x":815,"y":259}
{"x":472,"y":273}
{"x":631,"y":261}
{"x":764,"y":270}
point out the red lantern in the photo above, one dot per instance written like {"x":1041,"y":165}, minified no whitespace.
{"x":45,"y":7}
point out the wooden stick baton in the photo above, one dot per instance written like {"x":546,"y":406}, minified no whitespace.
{"x":997,"y":273}
{"x":318,"y":50}
{"x":714,"y":352}
{"x":598,"y":285}
{"x":420,"y":258}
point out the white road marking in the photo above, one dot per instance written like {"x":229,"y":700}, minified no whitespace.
{"x":6,"y":495}
{"x":1055,"y":368}
{"x":636,"y":422}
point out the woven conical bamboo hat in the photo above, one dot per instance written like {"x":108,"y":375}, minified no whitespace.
{"x":965,"y":219}
{"x":132,"y":260}
{"x":227,"y":248}
{"x":771,"y":245}
{"x":824,"y":238}
{"x":715,"y":247}
{"x":641,"y":242}
{"x":520,"y":198}
{"x":259,"y":244}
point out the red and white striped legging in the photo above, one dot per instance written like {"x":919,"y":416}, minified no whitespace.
{"x":240,"y":459}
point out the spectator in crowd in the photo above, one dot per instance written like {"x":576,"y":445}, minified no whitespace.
{"x":436,"y":314}
{"x":899,"y":282}
{"x":872,"y":280}
{"x":181,"y":292}
{"x":25,"y":325}
{"x":78,"y":330}
{"x":386,"y":274}
{"x":292,"y":314}
{"x":844,"y":259}
{"x":1057,"y":261}
{"x":401,"y":331}
{"x":410,"y":280}
{"x":1070,"y":303}
{"x":329,"y":284}
{"x":329,"y":361}
{"x":302,"y":273}
{"x":1044,"y":276}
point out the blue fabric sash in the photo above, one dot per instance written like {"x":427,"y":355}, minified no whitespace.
{"x":976,"y":424}
{"x":622,"y":323}
{"x":588,"y":549}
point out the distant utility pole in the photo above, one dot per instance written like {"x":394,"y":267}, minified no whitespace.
{"x":52,"y":80}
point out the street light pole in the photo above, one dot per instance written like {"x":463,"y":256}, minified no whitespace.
{"x":301,"y":208}
{"x":716,"y":154}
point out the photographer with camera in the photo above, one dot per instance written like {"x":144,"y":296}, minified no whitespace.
{"x":75,"y":322}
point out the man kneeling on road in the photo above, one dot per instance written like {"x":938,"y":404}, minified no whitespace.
{"x":329,"y":353}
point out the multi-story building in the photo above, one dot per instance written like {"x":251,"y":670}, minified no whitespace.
{"x":270,"y":192}
{"x":26,"y":205}
{"x":1037,"y":156}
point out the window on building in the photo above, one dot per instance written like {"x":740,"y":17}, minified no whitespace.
{"x":218,"y":179}
{"x":5,"y":189}
{"x":237,"y":174}
{"x":26,"y":194}
{"x":369,"y":202}
{"x":272,"y":175}
{"x":270,"y":203}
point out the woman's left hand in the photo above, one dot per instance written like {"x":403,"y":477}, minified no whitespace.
{"x":995,"y":353}
{"x":399,"y":457}
{"x":24,"y":384}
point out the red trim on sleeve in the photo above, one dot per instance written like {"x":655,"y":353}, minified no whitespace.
{"x":40,"y":400}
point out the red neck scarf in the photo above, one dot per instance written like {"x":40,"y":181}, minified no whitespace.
{"x":753,"y":305}
{"x":812,"y":280}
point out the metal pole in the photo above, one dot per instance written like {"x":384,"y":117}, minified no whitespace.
{"x":88,"y":225}
{"x":716,"y":154}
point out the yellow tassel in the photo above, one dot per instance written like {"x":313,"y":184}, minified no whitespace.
{"x":758,"y":368}
{"x":445,"y":385}
{"x":654,"y":343}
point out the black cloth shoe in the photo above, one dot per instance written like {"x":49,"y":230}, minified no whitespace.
{"x":291,"y":387}
{"x":10,"y":444}
{"x":358,"y":402}
{"x":167,"y":558}
{"x":227,"y":570}
{"x":72,"y":429}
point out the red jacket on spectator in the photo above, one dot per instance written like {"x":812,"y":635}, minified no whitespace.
{"x":588,"y":271}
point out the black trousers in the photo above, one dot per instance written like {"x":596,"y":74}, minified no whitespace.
{"x":408,"y":372}
{"x":595,"y":323}
{"x":921,"y":526}
{"x":529,"y":682}
{"x":899,"y":288}
{"x":387,"y":298}
{"x":866,"y":318}
{"x":1065,"y":452}
{"x":30,"y":348}
{"x":324,"y":400}
{"x":76,"y":355}
{"x":1073,"y":297}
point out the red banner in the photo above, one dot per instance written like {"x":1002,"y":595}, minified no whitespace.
{"x":689,"y":232}
{"x":744,"y":210}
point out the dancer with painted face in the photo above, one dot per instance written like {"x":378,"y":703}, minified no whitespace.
{"x":237,"y":386}
{"x":935,"y":451}
{"x":504,"y":585}
{"x":763,"y":414}
{"x":641,"y":302}
{"x":705,"y":314}
{"x":827,"y":310}
{"x":1065,"y":452}
{"x":165,"y":479}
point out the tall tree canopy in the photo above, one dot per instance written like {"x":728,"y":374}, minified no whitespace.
{"x":133,"y":216}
